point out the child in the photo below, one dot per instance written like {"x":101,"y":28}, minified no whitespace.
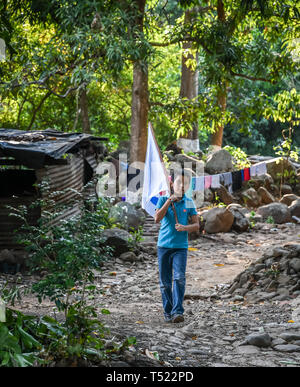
{"x":172,"y":245}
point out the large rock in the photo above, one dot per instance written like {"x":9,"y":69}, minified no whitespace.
{"x":224,"y":195}
{"x":127,"y":215}
{"x":251,"y":198}
{"x":279,"y":212}
{"x":218,"y":162}
{"x":240,"y":222}
{"x":288,"y":199}
{"x":218,"y":219}
{"x":265,"y":196}
{"x":190,"y":162}
{"x":276,"y":166}
{"x":295,"y":208}
{"x":118,"y":239}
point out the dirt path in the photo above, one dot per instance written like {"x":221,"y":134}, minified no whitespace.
{"x":214,"y":327}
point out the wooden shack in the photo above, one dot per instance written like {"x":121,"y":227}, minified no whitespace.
{"x":66,"y":160}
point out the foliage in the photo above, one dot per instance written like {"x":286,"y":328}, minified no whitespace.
{"x":18,"y":347}
{"x":240,"y":160}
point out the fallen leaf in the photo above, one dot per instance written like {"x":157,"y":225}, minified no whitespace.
{"x":177,"y":358}
{"x":218,"y":264}
{"x":194,"y":338}
{"x":113,"y":273}
{"x":291,"y":321}
{"x":139,"y":322}
{"x":192,"y":249}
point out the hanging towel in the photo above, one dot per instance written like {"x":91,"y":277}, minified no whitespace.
{"x":242,"y":172}
{"x":236,"y":180}
{"x":199,"y":183}
{"x":253,"y":170}
{"x":207,"y":181}
{"x":247,"y":174}
{"x":261,"y":169}
{"x":215,"y":181}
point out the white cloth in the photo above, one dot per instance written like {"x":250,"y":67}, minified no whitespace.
{"x":199,"y":183}
{"x":215,"y":181}
{"x":155,"y":179}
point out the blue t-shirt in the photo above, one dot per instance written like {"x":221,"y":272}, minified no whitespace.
{"x":168,"y":235}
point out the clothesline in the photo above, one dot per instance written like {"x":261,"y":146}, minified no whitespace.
{"x":232,"y":180}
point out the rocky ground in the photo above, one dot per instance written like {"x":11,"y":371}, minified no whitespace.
{"x":217,"y":323}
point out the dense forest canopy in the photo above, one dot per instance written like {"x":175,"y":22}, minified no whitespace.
{"x":226,"y":72}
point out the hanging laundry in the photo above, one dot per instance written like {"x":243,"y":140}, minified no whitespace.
{"x":215,"y":181}
{"x":261,"y":169}
{"x":207,"y":181}
{"x":242,"y":172}
{"x":199,"y":183}
{"x":236,"y":180}
{"x":247,"y":174}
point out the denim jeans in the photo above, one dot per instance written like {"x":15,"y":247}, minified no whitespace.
{"x":172,"y":266}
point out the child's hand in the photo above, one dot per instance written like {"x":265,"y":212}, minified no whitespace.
{"x":180,"y":227}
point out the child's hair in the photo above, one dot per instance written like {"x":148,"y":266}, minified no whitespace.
{"x":180,"y":172}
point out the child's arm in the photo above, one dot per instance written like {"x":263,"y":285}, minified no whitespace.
{"x":194,"y":226}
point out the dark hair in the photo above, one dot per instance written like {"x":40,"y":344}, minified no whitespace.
{"x":180,"y":172}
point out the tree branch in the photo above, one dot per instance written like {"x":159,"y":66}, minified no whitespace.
{"x":250,"y":77}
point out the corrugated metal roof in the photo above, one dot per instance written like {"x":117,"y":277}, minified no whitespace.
{"x":35,"y":148}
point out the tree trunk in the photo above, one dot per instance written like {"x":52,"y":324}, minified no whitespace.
{"x":139,"y":103}
{"x":189,"y":90}
{"x":217,"y":137}
{"x":139,"y":114}
{"x":83,"y":103}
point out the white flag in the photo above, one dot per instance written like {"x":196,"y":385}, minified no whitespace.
{"x":155,"y":175}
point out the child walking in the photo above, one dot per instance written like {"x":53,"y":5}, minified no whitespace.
{"x":173,"y":212}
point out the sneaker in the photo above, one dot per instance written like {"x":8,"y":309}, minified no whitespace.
{"x":177,"y":318}
{"x":168,"y":318}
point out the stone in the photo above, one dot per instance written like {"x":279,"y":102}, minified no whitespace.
{"x":287,"y":348}
{"x":128,"y":215}
{"x":289,"y":336}
{"x":118,"y":239}
{"x":251,"y":198}
{"x":218,"y":162}
{"x":265,"y":196}
{"x":288,"y":199}
{"x":295,"y":208}
{"x":128,"y":256}
{"x":295,"y":264}
{"x":224,"y":195}
{"x":286,"y":189}
{"x":247,"y":350}
{"x":218,"y":220}
{"x":276,"y":166}
{"x":190,"y":162}
{"x":279,"y":212}
{"x":259,"y":339}
{"x":240,"y":222}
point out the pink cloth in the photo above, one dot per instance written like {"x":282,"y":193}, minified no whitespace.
{"x":207,"y":181}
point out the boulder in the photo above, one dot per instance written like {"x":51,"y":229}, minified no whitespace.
{"x":251,"y":198}
{"x":288,"y":199}
{"x":276,"y":166}
{"x":240,"y":222}
{"x":286,"y":189}
{"x":295,"y":208}
{"x":218,"y":162}
{"x":279,"y":212}
{"x":190,"y":162}
{"x":265,"y":196}
{"x":224,"y":195}
{"x":128,"y":215}
{"x":218,"y":219}
{"x":118,"y":239}
{"x":265,"y":180}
